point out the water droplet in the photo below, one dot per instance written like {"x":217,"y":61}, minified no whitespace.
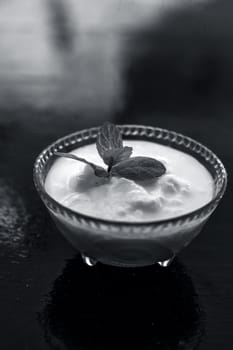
{"x":13,"y":216}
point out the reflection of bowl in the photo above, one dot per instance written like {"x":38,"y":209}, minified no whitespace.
{"x":124,"y":243}
{"x":116,"y":308}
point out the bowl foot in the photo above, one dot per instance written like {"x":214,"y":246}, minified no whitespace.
{"x":166,"y":263}
{"x":89,"y":261}
{"x":92,"y":262}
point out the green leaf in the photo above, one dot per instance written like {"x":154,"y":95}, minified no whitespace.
{"x":117,"y":155}
{"x":139,"y":168}
{"x":109,"y":140}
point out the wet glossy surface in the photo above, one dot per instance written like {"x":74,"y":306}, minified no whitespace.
{"x":157,"y":308}
{"x":49,"y":299}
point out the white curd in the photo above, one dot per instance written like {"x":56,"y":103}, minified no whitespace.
{"x":186,"y":186}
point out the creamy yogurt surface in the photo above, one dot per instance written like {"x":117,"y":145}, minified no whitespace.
{"x":187,"y":185}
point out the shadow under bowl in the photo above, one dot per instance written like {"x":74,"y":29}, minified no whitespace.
{"x":125,"y":243}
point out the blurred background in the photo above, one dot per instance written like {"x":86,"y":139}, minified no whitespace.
{"x":78,"y":63}
{"x":71,"y":64}
{"x":110,"y":57}
{"x":166,"y":63}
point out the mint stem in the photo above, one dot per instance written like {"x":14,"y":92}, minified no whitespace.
{"x":110,"y":165}
{"x":72,"y":156}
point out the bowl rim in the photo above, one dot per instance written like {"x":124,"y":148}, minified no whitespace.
{"x":195,"y":214}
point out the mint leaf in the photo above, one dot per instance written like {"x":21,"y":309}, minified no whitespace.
{"x":109,"y":143}
{"x":117,"y":155}
{"x":139,"y":169}
{"x":109,"y":138}
{"x":98,"y":170}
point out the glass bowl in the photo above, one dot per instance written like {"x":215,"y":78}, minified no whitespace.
{"x":125,"y":243}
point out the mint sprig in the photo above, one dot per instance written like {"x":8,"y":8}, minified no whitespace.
{"x":110,"y":147}
{"x":109,"y":144}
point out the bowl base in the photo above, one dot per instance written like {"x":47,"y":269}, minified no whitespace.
{"x":92,"y":262}
{"x":166,"y":263}
{"x":88,"y":261}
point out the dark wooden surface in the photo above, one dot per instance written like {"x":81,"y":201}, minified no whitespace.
{"x":64,"y":67}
